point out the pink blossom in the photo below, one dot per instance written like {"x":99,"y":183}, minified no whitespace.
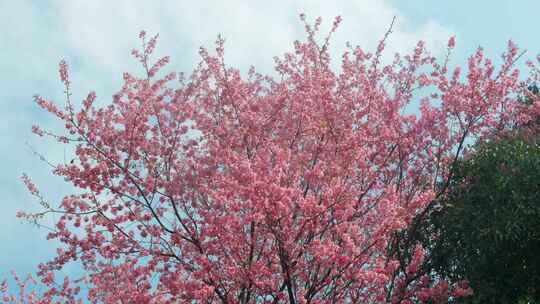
{"x":222,"y":188}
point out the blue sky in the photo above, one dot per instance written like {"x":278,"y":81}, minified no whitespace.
{"x":96,"y":37}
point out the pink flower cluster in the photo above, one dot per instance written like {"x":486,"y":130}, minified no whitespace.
{"x":222,"y":188}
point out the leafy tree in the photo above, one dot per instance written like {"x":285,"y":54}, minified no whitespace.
{"x":491,"y":225}
{"x":231,"y":189}
{"x":486,"y":228}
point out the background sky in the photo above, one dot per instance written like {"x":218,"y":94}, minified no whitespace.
{"x":96,"y":38}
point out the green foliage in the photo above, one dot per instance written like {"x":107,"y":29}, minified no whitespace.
{"x":487,"y":228}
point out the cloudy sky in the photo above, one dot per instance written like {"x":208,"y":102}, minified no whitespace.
{"x":96,"y":37}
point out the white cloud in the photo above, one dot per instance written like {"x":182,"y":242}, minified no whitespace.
{"x":104,"y":32}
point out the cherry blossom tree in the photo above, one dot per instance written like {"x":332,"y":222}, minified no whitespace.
{"x":221,"y":187}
